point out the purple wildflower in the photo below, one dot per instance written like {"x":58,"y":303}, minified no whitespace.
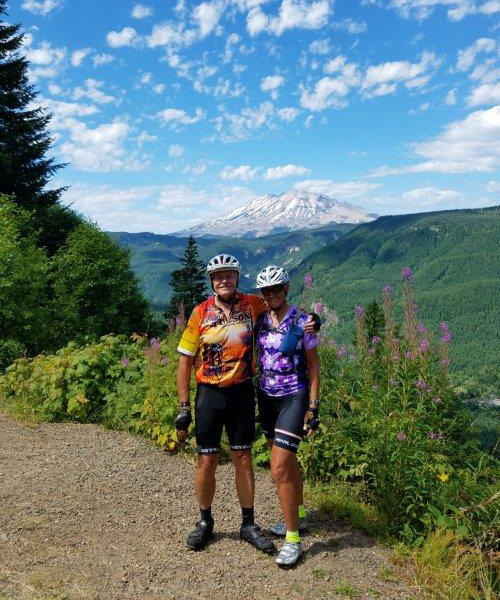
{"x":164,"y":360}
{"x":432,"y":436}
{"x":424,"y":345}
{"x":319,"y":308}
{"x":436,"y":400}
{"x":308,"y":280}
{"x":409,"y":355}
{"x":178,"y":321}
{"x":407,"y":273}
{"x":371,"y":351}
{"x":387,"y":288}
{"x":360,"y":311}
{"x":125,"y":362}
{"x":421,"y":328}
{"x":421,"y":384}
{"x":395,"y":356}
{"x":445,"y":362}
{"x":341,"y":351}
{"x":444,"y":327}
{"x":446,"y":337}
{"x":155,"y":343}
{"x":376,"y":340}
{"x":401,"y":436}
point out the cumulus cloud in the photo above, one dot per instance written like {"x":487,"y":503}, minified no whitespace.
{"x":243,"y":172}
{"x":45,"y":55}
{"x":487,"y":93}
{"x":319,"y":46}
{"x":285,"y":171}
{"x":102,"y":59}
{"x":230,"y":127}
{"x":327,"y":93}
{"x":126,"y":37}
{"x":271,"y":83}
{"x":457,"y":9}
{"x":347,"y":190}
{"x":78,"y":56}
{"x":451,"y":97}
{"x":175,"y":151}
{"x":171,"y":35}
{"x":466,"y":146}
{"x":176,"y":116}
{"x":92,"y":92}
{"x":141,"y":11}
{"x":207,"y":15}
{"x":292,"y":14}
{"x":467,"y":57}
{"x":42,"y":7}
{"x":351,"y":26}
{"x":493,"y":186}
{"x":288,"y":114}
{"x":430,"y":197}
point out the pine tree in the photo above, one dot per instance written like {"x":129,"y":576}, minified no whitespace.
{"x":24,"y":139}
{"x":188,"y":283}
{"x":374,"y":320}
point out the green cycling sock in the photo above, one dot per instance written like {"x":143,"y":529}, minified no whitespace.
{"x":292,"y":536}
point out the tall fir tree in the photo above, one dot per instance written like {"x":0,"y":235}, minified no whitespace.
{"x":188,"y":283}
{"x":25,"y":141}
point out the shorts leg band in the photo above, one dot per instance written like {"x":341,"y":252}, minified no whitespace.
{"x":202,"y":450}
{"x":285,"y":440}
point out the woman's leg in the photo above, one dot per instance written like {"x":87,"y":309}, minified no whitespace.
{"x":287,"y":478}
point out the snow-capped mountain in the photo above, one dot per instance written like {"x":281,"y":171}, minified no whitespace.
{"x":286,"y":212}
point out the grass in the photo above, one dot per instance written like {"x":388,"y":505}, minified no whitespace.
{"x":342,"y":588}
{"x":319,"y":573}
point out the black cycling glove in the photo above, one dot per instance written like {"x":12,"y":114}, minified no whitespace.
{"x":312,"y":422}
{"x":316,"y":320}
{"x":183,"y":420}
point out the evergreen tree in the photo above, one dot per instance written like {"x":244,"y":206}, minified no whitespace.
{"x":188,"y":283}
{"x":374,"y":320}
{"x":24,"y":139}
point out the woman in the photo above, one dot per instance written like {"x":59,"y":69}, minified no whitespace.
{"x":288,"y":398}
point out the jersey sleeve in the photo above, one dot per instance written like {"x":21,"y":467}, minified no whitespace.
{"x":191,"y":337}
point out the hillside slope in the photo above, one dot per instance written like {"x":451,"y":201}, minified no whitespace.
{"x":455,"y":257}
{"x":154,"y":256}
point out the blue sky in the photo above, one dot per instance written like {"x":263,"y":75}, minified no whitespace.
{"x":170,"y":112}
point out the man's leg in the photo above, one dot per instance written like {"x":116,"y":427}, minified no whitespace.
{"x":244,"y":477}
{"x":205,"y":479}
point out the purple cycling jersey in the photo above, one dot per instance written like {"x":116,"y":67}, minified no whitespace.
{"x":280,"y":374}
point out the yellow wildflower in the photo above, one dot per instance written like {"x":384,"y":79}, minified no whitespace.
{"x":444,"y":477}
{"x":172,"y":446}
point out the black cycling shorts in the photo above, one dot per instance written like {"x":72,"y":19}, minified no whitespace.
{"x":232,"y":407}
{"x":282,"y":418}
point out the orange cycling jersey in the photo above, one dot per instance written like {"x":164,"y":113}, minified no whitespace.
{"x":222,"y":346}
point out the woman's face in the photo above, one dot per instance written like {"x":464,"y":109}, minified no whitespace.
{"x":275,"y":295}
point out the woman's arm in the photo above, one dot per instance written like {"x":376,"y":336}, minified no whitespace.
{"x":313,"y":374}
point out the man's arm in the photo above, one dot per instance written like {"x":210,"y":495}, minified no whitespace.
{"x":183,"y":381}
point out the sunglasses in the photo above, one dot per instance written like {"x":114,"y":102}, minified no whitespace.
{"x":272,"y":291}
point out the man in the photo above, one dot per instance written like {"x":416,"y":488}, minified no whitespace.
{"x":218,"y":343}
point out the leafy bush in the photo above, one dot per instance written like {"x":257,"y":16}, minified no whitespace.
{"x":9,"y":351}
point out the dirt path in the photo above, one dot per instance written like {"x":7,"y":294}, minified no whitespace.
{"x":87,"y":513}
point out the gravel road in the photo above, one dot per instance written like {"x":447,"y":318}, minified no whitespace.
{"x":91,"y":514}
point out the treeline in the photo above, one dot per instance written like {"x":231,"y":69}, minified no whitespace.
{"x":61,"y":278}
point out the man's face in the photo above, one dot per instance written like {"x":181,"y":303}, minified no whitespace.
{"x":224,"y":283}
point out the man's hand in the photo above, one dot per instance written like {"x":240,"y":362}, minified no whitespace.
{"x":182,"y":423}
{"x":313,"y":324}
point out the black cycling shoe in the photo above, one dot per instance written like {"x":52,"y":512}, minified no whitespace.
{"x":198,"y":538}
{"x":253,"y":535}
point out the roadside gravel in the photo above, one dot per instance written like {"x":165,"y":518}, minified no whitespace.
{"x":87,"y":513}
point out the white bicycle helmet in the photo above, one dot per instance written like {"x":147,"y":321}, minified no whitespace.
{"x":223,"y":262}
{"x":271,"y":275}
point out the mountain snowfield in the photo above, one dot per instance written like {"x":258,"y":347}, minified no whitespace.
{"x":289,"y":211}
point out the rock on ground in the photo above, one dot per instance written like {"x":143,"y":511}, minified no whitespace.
{"x":91,"y":514}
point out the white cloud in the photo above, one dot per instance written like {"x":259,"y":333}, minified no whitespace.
{"x":288,"y":114}
{"x":285,"y":171}
{"x":141,"y":11}
{"x":54,"y":89}
{"x":347,"y":190}
{"x":327,"y":93}
{"x":175,"y":151}
{"x":467,"y":57}
{"x":451,"y":97}
{"x":159,"y":88}
{"x":176,"y":116}
{"x":144,"y":137}
{"x":493,"y":186}
{"x":231,"y":40}
{"x":63,"y":112}
{"x":320,"y":47}
{"x":351,"y":26}
{"x":230,"y":127}
{"x":457,"y":9}
{"x":272,"y":82}
{"x":45,"y":55}
{"x":102,"y":59}
{"x":308,"y":122}
{"x":466,"y":146}
{"x":207,"y":15}
{"x":171,"y":35}
{"x":42,"y":7}
{"x":145,"y":78}
{"x":243,"y":172}
{"x":92,"y":92}
{"x":430,"y":197}
{"x":292,"y":14}
{"x":126,"y":37}
{"x":484,"y":94}
{"x":78,"y":56}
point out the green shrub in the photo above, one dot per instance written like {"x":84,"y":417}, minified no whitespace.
{"x":9,"y":351}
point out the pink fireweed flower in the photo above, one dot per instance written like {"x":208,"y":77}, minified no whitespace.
{"x":387,"y":288}
{"x":341,"y":351}
{"x":409,"y":355}
{"x":436,"y":400}
{"x":308,"y":280}
{"x":371,"y":351}
{"x":125,"y":362}
{"x":319,"y":308}
{"x":424,"y":345}
{"x":401,"y":436}
{"x":445,"y":362}
{"x":444,"y":327}
{"x":395,"y":356}
{"x":376,"y":340}
{"x":421,"y":384}
{"x":446,"y":337}
{"x":154,"y":343}
{"x":178,"y":321}
{"x":407,"y":273}
{"x":359,"y":311}
{"x":421,"y":328}
{"x":164,"y":360}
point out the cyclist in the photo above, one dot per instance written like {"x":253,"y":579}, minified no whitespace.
{"x":288,"y":399}
{"x":218,"y":343}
